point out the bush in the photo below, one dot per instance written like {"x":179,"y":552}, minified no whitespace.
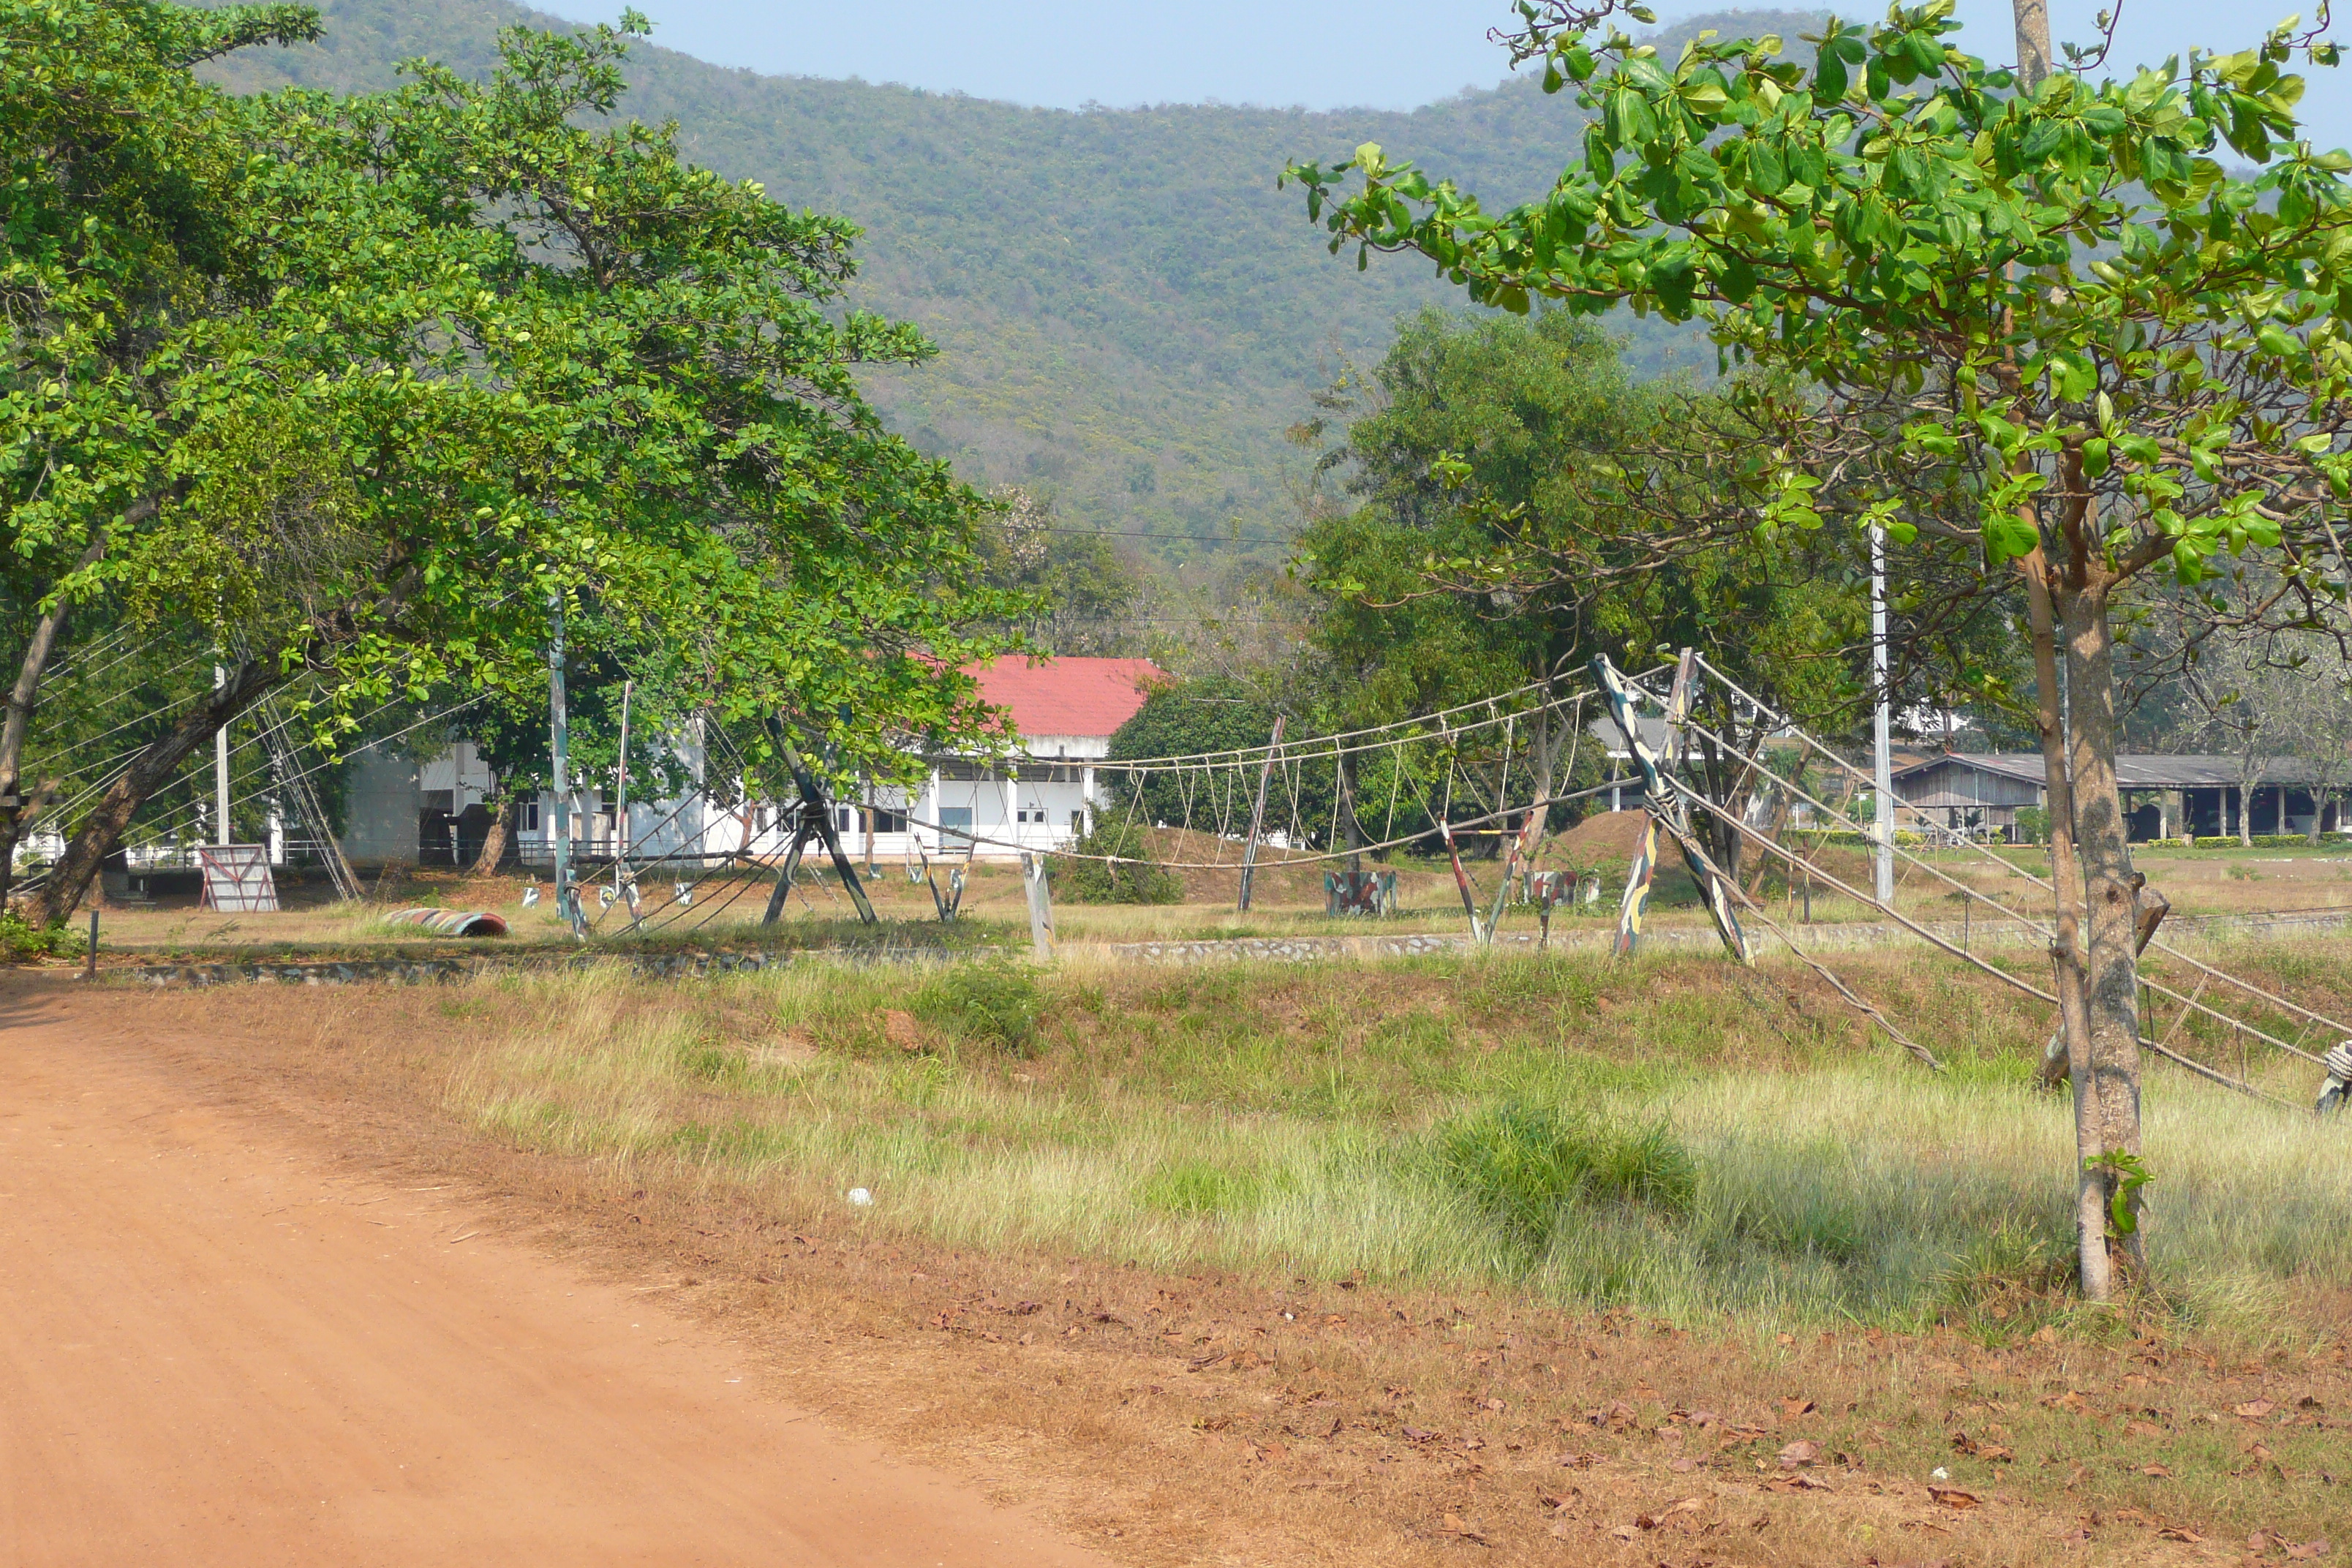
{"x":989,"y":1001}
{"x":22,"y":942}
{"x":1097,"y":882}
{"x":1524,"y":1163}
{"x":2032,"y":824}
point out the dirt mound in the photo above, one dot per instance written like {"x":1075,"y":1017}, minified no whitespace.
{"x":1279,"y":882}
{"x":1275,"y":882}
{"x":1604,"y":842}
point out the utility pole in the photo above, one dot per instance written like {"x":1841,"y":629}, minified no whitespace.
{"x":1882,"y":777}
{"x":220,"y":765}
{"x":621,"y":792}
{"x":567,"y":899}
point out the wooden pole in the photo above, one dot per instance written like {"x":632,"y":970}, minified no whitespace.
{"x":1257,"y":813}
{"x":1666,"y":813}
{"x":1041,"y":904}
{"x":567,"y":897}
{"x":816,"y":822}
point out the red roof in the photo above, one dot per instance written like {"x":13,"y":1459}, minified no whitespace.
{"x":1069,"y":696}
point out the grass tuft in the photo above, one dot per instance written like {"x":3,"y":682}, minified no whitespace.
{"x":992,"y":1001}
{"x":1526,"y":1165}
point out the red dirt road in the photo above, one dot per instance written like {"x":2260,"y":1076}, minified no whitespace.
{"x":214,"y":1349}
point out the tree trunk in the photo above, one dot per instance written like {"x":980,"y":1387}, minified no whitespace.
{"x":1720,"y":779}
{"x":494,"y":842}
{"x":1548,"y":743}
{"x":1349,"y":825}
{"x":2107,"y":1103}
{"x":2032,"y":18}
{"x":2066,"y":945}
{"x":14,"y":815}
{"x":101,"y":831}
{"x":2098,"y":1001}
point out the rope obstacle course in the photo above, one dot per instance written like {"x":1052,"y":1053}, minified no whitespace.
{"x":1468,"y":750}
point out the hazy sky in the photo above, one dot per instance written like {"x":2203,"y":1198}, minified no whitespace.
{"x":1390,"y":54}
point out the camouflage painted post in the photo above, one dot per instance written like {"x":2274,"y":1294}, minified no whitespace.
{"x":1667,"y":813}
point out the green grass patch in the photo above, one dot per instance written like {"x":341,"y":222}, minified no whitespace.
{"x":1677,"y":1136}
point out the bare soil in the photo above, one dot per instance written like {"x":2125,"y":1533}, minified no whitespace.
{"x":226,"y":1345}
{"x":214,"y":1334}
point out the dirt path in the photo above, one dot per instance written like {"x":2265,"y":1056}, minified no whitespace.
{"x":215,"y":1349}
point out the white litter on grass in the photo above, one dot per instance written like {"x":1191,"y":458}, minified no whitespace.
{"x":1939,"y":1474}
{"x":859,"y":1197}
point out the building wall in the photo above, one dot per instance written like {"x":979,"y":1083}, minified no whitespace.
{"x":1946,"y":784}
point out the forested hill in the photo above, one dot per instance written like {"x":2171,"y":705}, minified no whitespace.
{"x":1129,"y":313}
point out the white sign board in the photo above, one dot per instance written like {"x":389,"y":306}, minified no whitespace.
{"x":237,"y":879}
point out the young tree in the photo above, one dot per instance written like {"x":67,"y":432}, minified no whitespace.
{"x":480,"y":356}
{"x":2100,"y":353}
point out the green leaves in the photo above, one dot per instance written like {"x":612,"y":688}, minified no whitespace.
{"x":2008,"y":536}
{"x":2073,"y":376}
{"x":2088,"y":330}
{"x":360,"y":379}
{"x":1837,"y":48}
{"x":2129,"y":1174}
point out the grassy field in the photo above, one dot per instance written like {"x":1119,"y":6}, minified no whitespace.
{"x":1375,"y":1262}
{"x":1680,"y":1139}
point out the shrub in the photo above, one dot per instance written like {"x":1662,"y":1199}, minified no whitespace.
{"x":2032,"y":824}
{"x":1100,"y":882}
{"x":989,"y":1001}
{"x":22,"y":942}
{"x":1524,"y":1163}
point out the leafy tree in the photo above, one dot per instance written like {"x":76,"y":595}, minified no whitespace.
{"x":2105,"y":354}
{"x":1117,"y":291}
{"x":124,"y":250}
{"x":1187,"y":718}
{"x":1084,"y":593}
{"x":1132,"y":877}
{"x":459,"y":355}
{"x":1482,"y":438}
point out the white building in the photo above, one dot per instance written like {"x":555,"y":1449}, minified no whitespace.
{"x":1065,"y":712}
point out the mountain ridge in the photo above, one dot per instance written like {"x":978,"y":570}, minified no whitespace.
{"x":1129,"y":313}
